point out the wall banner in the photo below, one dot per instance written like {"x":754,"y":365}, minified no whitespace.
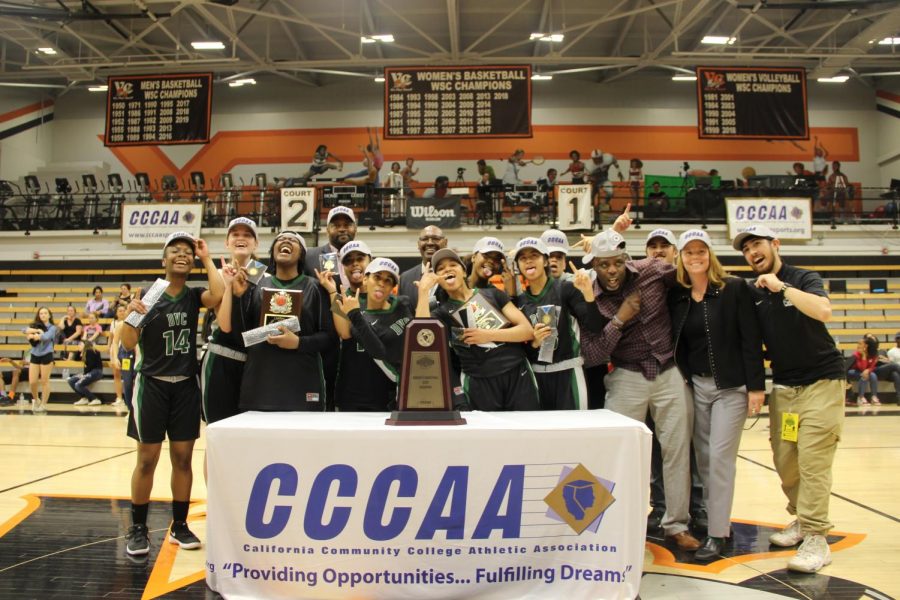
{"x":454,"y":102}
{"x":441,"y":212}
{"x":152,"y":222}
{"x":527,"y":505}
{"x":574,"y":207}
{"x":790,"y":218}
{"x":752,"y":102}
{"x":158,"y":109}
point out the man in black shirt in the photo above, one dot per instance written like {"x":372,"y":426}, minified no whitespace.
{"x":431,"y":239}
{"x":806,"y":407}
{"x":166,"y":392}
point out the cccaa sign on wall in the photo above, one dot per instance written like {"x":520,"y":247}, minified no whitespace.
{"x":151,"y":223}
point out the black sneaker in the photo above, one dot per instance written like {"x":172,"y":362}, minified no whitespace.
{"x":184,"y":537}
{"x":137,"y":542}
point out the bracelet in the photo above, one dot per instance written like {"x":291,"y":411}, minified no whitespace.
{"x":617,"y":322}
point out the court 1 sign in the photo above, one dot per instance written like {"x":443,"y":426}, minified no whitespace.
{"x":298,"y":206}
{"x":151,"y":223}
{"x":573,"y":206}
{"x":789,"y":218}
{"x":527,"y":506}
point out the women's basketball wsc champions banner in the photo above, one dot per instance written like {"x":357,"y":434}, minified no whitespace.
{"x":512,"y":505}
{"x":752,"y":102}
{"x":457,"y":102}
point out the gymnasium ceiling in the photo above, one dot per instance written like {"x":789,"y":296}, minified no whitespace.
{"x":318,"y":42}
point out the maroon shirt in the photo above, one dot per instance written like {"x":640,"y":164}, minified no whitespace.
{"x":644,"y":344}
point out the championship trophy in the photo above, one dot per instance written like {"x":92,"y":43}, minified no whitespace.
{"x":425,"y":378}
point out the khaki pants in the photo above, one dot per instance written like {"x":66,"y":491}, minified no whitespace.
{"x":804,"y":466}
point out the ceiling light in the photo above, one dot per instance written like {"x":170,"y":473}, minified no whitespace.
{"x":539,"y":77}
{"x":718,"y":39}
{"x":547,"y":37}
{"x":684,"y":78}
{"x":379,"y":79}
{"x":50,"y":51}
{"x":207,"y":45}
{"x":98,"y":88}
{"x":835,"y":79}
{"x":241,"y":82}
{"x":889,"y":41}
{"x":385,"y":38}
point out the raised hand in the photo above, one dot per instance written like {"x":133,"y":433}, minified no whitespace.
{"x":582,"y":282}
{"x":623,"y":221}
{"x":326,"y":280}
{"x":348,"y":302}
{"x":202,"y":249}
{"x":137,"y":305}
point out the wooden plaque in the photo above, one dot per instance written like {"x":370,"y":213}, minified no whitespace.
{"x":278,"y":304}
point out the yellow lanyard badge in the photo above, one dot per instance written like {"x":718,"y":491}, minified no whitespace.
{"x":790,"y":425}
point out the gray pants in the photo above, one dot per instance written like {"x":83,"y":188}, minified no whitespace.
{"x":719,"y":417}
{"x":629,"y":393}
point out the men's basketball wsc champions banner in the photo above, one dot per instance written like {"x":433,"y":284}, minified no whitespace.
{"x":752,"y":102}
{"x":518,"y":505}
{"x":457,"y":102}
{"x":158,"y":109}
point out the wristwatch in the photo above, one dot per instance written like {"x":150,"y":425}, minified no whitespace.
{"x":784,"y":287}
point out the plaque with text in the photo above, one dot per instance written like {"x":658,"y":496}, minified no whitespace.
{"x":158,"y":109}
{"x":457,"y":102}
{"x":424,"y":395}
{"x":752,"y":103}
{"x":278,"y":305}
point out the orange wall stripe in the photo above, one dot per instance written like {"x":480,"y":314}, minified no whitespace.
{"x":888,"y":96}
{"x":294,"y":147}
{"x":25,"y":110}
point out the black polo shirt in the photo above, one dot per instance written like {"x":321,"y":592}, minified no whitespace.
{"x":800,"y":347}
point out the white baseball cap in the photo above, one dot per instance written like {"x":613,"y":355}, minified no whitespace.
{"x":488,"y":244}
{"x":760,"y":231}
{"x":340,"y":210}
{"x":353,"y":246}
{"x":249,"y":223}
{"x":379,"y":265}
{"x":556,"y":241}
{"x":530,"y":242}
{"x":693,"y":234}
{"x":661,"y":233}
{"x":181,"y":235}
{"x":605,"y":245}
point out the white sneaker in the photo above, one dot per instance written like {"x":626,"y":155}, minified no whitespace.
{"x":812,"y":555}
{"x":119,"y":402}
{"x":789,"y":536}
{"x":82,"y":402}
{"x":95,"y":402}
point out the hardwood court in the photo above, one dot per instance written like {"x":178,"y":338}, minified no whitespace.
{"x":64,"y":485}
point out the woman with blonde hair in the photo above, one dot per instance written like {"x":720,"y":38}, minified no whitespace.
{"x":718,"y":349}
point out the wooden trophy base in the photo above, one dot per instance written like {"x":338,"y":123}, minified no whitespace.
{"x":425,"y":417}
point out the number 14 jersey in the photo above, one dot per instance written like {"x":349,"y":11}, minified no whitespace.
{"x":168,"y":340}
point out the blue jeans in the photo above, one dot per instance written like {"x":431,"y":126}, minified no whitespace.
{"x":871,"y":382}
{"x":80,"y":383}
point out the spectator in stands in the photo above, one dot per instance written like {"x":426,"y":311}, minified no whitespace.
{"x":576,"y":168}
{"x":839,"y":191}
{"x":92,"y":330}
{"x":602,"y":186}
{"x":718,"y":349}
{"x":638,"y":341}
{"x":865,"y":360}
{"x":395,"y":178}
{"x":441,"y":188}
{"x":808,"y":376}
{"x":120,"y":360}
{"x":820,"y":158}
{"x":886,"y":370}
{"x":486,"y":169}
{"x":320,"y":163}
{"x":70,"y":333}
{"x":635,"y":178}
{"x":798,"y":170}
{"x":657,"y":202}
{"x":40,"y":333}
{"x":431,"y":239}
{"x":548,"y":182}
{"x":409,"y":172}
{"x":10,"y":378}
{"x":124,"y":298}
{"x":513,"y":164}
{"x":894,"y":353}
{"x":93,"y":371}
{"x":97,"y":305}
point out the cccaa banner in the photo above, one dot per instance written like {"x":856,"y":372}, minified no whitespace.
{"x":152,"y":222}
{"x":523,"y":506}
{"x":790,"y":218}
